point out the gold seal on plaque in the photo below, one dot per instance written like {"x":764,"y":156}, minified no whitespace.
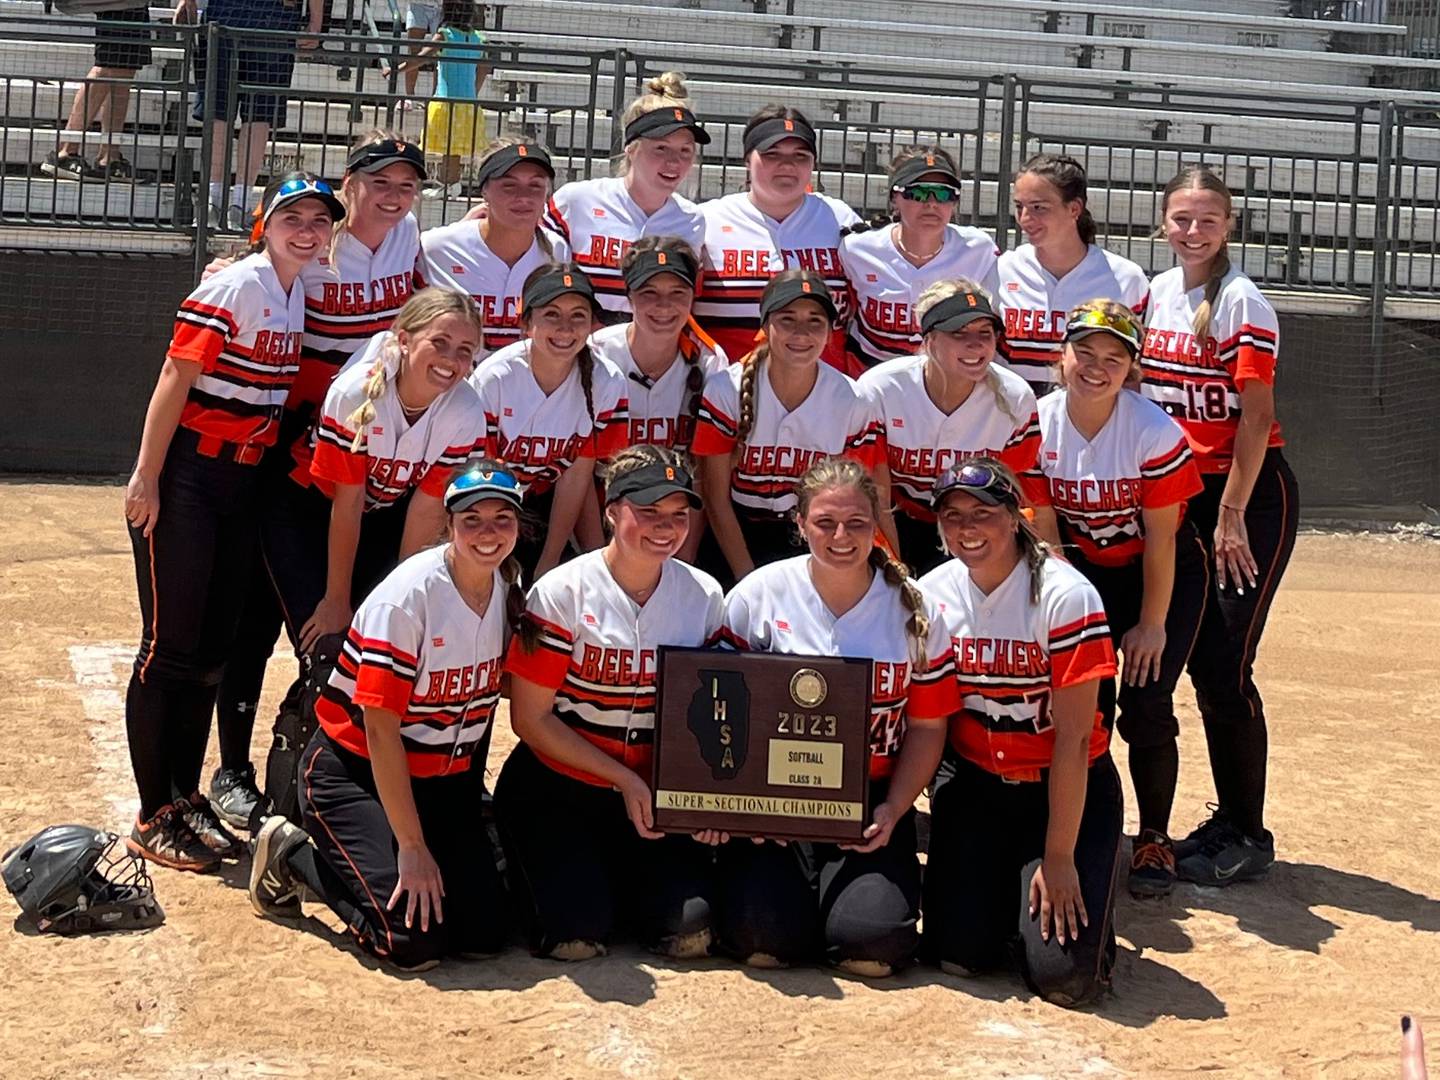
{"x":808,"y":688}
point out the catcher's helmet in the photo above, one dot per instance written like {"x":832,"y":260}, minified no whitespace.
{"x":72,"y":879}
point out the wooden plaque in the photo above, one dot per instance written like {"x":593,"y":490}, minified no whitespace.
{"x":762,"y":744}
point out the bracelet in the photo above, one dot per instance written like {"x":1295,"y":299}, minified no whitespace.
{"x":1236,"y":509}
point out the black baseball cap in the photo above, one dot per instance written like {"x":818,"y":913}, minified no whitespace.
{"x":978,"y":478}
{"x":657,"y":123}
{"x":956,"y":311}
{"x":808,"y":285}
{"x":767,"y":133}
{"x":554,"y":282}
{"x":501,"y":161}
{"x":374,"y":156}
{"x":649,"y":484}
{"x":644,"y":265}
{"x":917,"y":167}
{"x":478,"y":484}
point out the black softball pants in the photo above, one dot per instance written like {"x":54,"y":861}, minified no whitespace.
{"x":580,"y":871}
{"x":1146,"y":717}
{"x":353,"y":865}
{"x":191,"y":573}
{"x":987,"y":839}
{"x":1222,"y":665}
{"x":769,"y":539}
{"x":920,"y":547}
{"x":804,"y":902}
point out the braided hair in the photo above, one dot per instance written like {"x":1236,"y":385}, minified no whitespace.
{"x":835,"y":472}
{"x":1202,"y":178}
{"x":584,"y":359}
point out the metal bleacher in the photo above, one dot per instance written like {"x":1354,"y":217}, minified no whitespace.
{"x":1329,"y":133}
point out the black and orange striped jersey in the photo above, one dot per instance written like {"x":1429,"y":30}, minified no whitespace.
{"x":1036,"y":305}
{"x":541,"y":435}
{"x":918,"y":442}
{"x":1199,"y":382}
{"x":885,"y":285}
{"x":833,"y":420}
{"x":417,"y":649}
{"x":1138,"y":461}
{"x":348,"y":300}
{"x":599,"y":220}
{"x":745,"y":248}
{"x":599,"y":651}
{"x":775,"y":608}
{"x":394,"y":455}
{"x":1012,"y":655}
{"x":244,"y":331}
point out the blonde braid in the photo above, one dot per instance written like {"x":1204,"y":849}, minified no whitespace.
{"x":375,"y":384}
{"x":1036,"y":552}
{"x":749,"y":376}
{"x":917,"y":626}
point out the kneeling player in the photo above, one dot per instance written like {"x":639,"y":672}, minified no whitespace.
{"x":573,"y":804}
{"x":1026,"y":835}
{"x":390,"y":786}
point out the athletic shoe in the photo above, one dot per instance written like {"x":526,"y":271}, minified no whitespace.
{"x":68,"y":167}
{"x":1226,"y":856}
{"x":237,"y":219}
{"x":694,"y":946}
{"x":1187,"y":846}
{"x":274,"y":890}
{"x":206,"y":824}
{"x":866,"y":969}
{"x":233,"y":794}
{"x":166,"y":839}
{"x":1152,"y":865}
{"x":117,"y":168}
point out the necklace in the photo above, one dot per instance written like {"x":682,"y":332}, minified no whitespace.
{"x":410,"y":413}
{"x":914,"y":258}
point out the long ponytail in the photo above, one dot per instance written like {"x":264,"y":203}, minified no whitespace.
{"x":1202,"y":178}
{"x":917,"y":626}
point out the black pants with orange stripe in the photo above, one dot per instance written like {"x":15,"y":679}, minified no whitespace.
{"x":987,"y":839}
{"x":1222,"y":665}
{"x":580,"y":871}
{"x":1146,"y":717}
{"x":191,"y":574}
{"x":353,"y":864}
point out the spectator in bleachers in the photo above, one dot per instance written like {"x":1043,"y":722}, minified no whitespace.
{"x":602,"y":218}
{"x":422,"y":20}
{"x":777,"y":224}
{"x":122,"y":47}
{"x":1059,"y":267}
{"x":454,"y":124}
{"x":267,"y":64}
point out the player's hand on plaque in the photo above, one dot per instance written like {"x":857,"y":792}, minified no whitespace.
{"x":713,"y":837}
{"x":638,"y":803}
{"x":877,"y":833}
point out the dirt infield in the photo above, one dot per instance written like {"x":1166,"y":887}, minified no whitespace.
{"x":1303,"y":975}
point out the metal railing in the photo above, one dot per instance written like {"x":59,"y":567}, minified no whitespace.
{"x":1333,"y":194}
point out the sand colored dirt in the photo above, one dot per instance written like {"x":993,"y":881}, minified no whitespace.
{"x":1303,"y":975}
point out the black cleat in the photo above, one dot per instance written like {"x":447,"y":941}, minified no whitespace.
{"x":233,"y":794}
{"x":206,"y":824}
{"x":167,"y":840}
{"x":1226,"y":856}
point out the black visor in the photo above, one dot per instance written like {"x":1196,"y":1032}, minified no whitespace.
{"x":648,"y":485}
{"x":658,"y":123}
{"x":554,"y":283}
{"x":808,"y":286}
{"x":956,"y":311}
{"x":506,"y":158}
{"x":917,"y":167}
{"x":648,"y":264}
{"x":372,"y":157}
{"x":768,"y":133}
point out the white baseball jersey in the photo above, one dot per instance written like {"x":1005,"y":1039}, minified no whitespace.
{"x":538,"y":435}
{"x":1139,"y":460}
{"x":394,"y":455}
{"x":349,"y":301}
{"x":659,"y":409}
{"x":885,"y":285}
{"x":744,"y":249}
{"x":245,"y":332}
{"x":456,"y":257}
{"x":1036,"y":306}
{"x":1012,"y":655}
{"x":918,"y":442}
{"x":833,"y":420}
{"x":1199,"y":383}
{"x":598,"y":650}
{"x":600,"y":221}
{"x":776,"y":609}
{"x":415,"y":648}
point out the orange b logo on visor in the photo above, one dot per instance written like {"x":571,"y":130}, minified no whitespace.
{"x":669,"y":473}
{"x":789,"y":125}
{"x":660,"y":259}
{"x":568,"y":281}
{"x":522,"y":151}
{"x":679,"y":115}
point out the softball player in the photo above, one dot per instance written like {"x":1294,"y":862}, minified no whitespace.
{"x":600,"y":219}
{"x":191,"y":502}
{"x":856,"y":905}
{"x":1111,"y":482}
{"x":490,"y":259}
{"x":353,"y":290}
{"x":766,"y":420}
{"x":931,"y":411}
{"x":1032,"y":753}
{"x":551,"y":410}
{"x":889,"y":268}
{"x":1209,"y":360}
{"x":390,"y":785}
{"x":778,"y":223}
{"x":1057,"y":268}
{"x":573,"y":801}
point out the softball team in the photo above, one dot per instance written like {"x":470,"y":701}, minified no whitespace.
{"x":994,"y":673}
